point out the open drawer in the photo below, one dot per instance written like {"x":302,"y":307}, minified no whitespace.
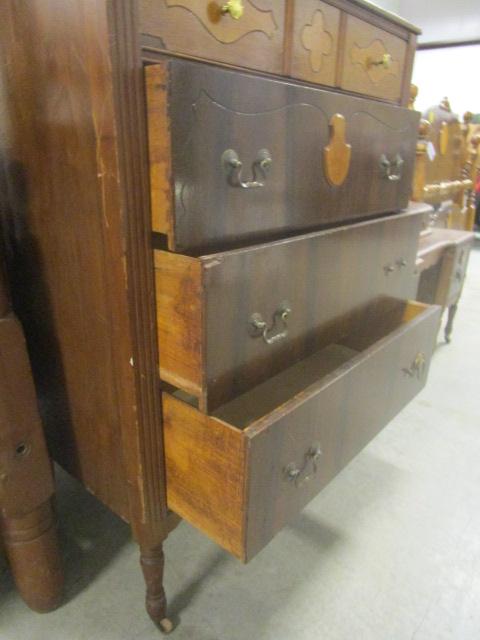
{"x":241,"y":474}
{"x":210,"y":308}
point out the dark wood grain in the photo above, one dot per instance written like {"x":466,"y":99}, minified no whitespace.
{"x":364,"y":379}
{"x":213,"y":110}
{"x":204,"y":304}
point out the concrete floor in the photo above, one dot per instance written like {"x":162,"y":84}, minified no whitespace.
{"x":389,"y":551}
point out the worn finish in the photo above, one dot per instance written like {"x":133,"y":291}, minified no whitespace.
{"x":243,"y":493}
{"x":85,"y":297}
{"x":204,"y":304}
{"x":76,"y":164}
{"x":212,"y":111}
{"x":82,"y":242}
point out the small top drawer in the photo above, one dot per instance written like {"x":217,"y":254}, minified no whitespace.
{"x":235,"y":159}
{"x":373,"y":61}
{"x":244,"y":34}
{"x":315,"y":42}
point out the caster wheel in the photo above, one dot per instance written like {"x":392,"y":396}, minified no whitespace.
{"x":166,"y":625}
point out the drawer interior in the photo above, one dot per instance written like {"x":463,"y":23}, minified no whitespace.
{"x":227,"y":472}
{"x":354,"y":336}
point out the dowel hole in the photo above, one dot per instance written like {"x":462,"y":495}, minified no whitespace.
{"x":22,"y":449}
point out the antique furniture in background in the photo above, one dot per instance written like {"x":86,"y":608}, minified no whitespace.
{"x":446,"y":170}
{"x":27,"y":523}
{"x":447,"y":166}
{"x":204,"y":340}
{"x":442,"y":263}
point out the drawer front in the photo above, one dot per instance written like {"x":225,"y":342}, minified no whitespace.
{"x":251,"y":157}
{"x":210,"y":309}
{"x":339,"y":421}
{"x":315,"y":42}
{"x":373,"y":61}
{"x":199,"y":28}
{"x":250,"y":483}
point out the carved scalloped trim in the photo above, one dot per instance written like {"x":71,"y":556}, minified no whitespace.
{"x":210,"y":16}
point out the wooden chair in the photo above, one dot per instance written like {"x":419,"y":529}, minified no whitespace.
{"x":446,"y":166}
{"x":445,"y":174}
{"x":27,"y":525}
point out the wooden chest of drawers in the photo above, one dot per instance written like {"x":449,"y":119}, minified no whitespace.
{"x":217,"y":264}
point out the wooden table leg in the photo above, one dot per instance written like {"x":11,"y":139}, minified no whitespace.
{"x":452,"y":310}
{"x":152,"y":563}
{"x":31,"y":546}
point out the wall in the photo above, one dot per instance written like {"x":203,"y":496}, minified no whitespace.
{"x":389,"y":5}
{"x":443,"y":19}
{"x":448,"y":72}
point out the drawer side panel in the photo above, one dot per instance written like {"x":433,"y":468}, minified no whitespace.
{"x":205,"y":467}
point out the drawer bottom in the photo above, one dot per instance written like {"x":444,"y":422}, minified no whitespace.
{"x":241,"y":474}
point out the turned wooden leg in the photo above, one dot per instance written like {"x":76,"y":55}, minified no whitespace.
{"x":31,"y":546}
{"x":452,"y":310}
{"x":152,"y":561}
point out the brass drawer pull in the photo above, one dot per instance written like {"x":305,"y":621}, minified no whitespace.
{"x":258,"y":326}
{"x":417,"y":368}
{"x":392,"y":170}
{"x":234,"y":8}
{"x":300,"y":475}
{"x":385,"y":62}
{"x":233,"y":167}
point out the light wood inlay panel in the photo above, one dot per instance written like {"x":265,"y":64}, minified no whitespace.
{"x":198,"y":28}
{"x":363,"y":47}
{"x":315,"y":41}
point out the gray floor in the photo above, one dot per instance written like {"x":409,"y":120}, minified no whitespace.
{"x":389,"y":551}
